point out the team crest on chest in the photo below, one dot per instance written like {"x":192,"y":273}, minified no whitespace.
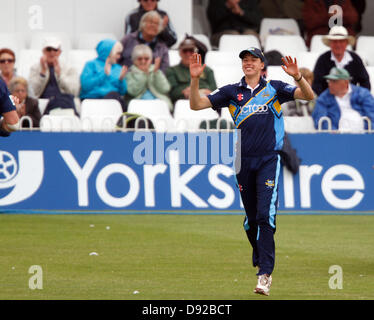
{"x":239,"y":96}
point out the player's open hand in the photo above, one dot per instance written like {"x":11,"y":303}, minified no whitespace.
{"x":290,"y":67}
{"x":196,"y":69}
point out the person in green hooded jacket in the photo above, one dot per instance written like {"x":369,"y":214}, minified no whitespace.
{"x":144,"y":79}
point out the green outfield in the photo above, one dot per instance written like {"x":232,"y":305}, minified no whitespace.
{"x":181,"y":257}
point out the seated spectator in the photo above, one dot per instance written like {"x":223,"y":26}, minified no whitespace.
{"x":168,"y":34}
{"x":179,"y":75}
{"x":51,"y":77}
{"x":233,"y":17}
{"x":103,"y":77}
{"x":300,"y":108}
{"x":144,"y":79}
{"x":344,"y":103}
{"x":150,"y":27}
{"x":27,"y":106}
{"x":338,"y":40}
{"x":7,"y":60}
{"x":316,"y":17}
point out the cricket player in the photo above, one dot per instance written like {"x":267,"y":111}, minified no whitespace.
{"x":9,"y":120}
{"x":255,"y":106}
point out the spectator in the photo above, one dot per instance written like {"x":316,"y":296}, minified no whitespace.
{"x":150,"y":27}
{"x":316,"y":17}
{"x":179,"y":75}
{"x":299,"y":107}
{"x":144,"y":79}
{"x":7,"y":60}
{"x":233,"y":17}
{"x":344,"y":103}
{"x":103,"y":77}
{"x":338,"y":40}
{"x":51,"y":77}
{"x":27,"y":106}
{"x":168,"y":34}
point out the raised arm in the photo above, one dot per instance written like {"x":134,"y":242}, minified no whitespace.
{"x":197,"y":102}
{"x":304,"y":92}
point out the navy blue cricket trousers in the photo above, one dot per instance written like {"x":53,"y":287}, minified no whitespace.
{"x":258,"y":184}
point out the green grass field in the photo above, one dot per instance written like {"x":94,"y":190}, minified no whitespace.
{"x":181,"y":257}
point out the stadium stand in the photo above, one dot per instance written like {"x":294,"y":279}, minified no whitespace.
{"x":58,"y":123}
{"x":155,"y":110}
{"x":185,"y":118}
{"x":37,"y":39}
{"x":277,"y":26}
{"x":286,"y":44}
{"x":299,"y":124}
{"x":100,"y":114}
{"x":89,"y":40}
{"x":237,"y":43}
{"x":78,"y":58}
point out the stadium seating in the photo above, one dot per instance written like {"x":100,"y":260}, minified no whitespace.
{"x":190,"y":120}
{"x":307,"y":59}
{"x":299,"y":124}
{"x":78,"y":58}
{"x":89,"y":41}
{"x":204,"y":39}
{"x":277,"y":26}
{"x":236,"y":43}
{"x":277,"y":73}
{"x":14,"y":41}
{"x":100,"y":114}
{"x":365,"y":49}
{"x":26,"y":59}
{"x":58,"y":123}
{"x":287,"y":45}
{"x":155,"y":110}
{"x":42,"y":104}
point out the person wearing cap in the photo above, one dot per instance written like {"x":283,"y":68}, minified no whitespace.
{"x":150,"y":27}
{"x":51,"y":77}
{"x":338,"y":56}
{"x":179,"y":75}
{"x":255,"y":107}
{"x":343,"y":103}
{"x":317,"y":17}
{"x":168,"y":34}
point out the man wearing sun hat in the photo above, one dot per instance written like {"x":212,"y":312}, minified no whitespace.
{"x":344,"y":103}
{"x":338,"y":56}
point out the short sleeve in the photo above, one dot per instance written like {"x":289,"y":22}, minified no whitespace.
{"x":220,"y":98}
{"x":6,"y":104}
{"x":285,"y":91}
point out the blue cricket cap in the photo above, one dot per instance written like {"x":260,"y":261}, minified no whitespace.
{"x":254,"y":52}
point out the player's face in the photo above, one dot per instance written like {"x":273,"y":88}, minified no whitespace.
{"x":148,"y":5}
{"x":252,"y":65}
{"x":338,"y":47}
{"x":338,"y":87}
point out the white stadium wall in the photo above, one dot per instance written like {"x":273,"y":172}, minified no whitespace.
{"x":82,"y":16}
